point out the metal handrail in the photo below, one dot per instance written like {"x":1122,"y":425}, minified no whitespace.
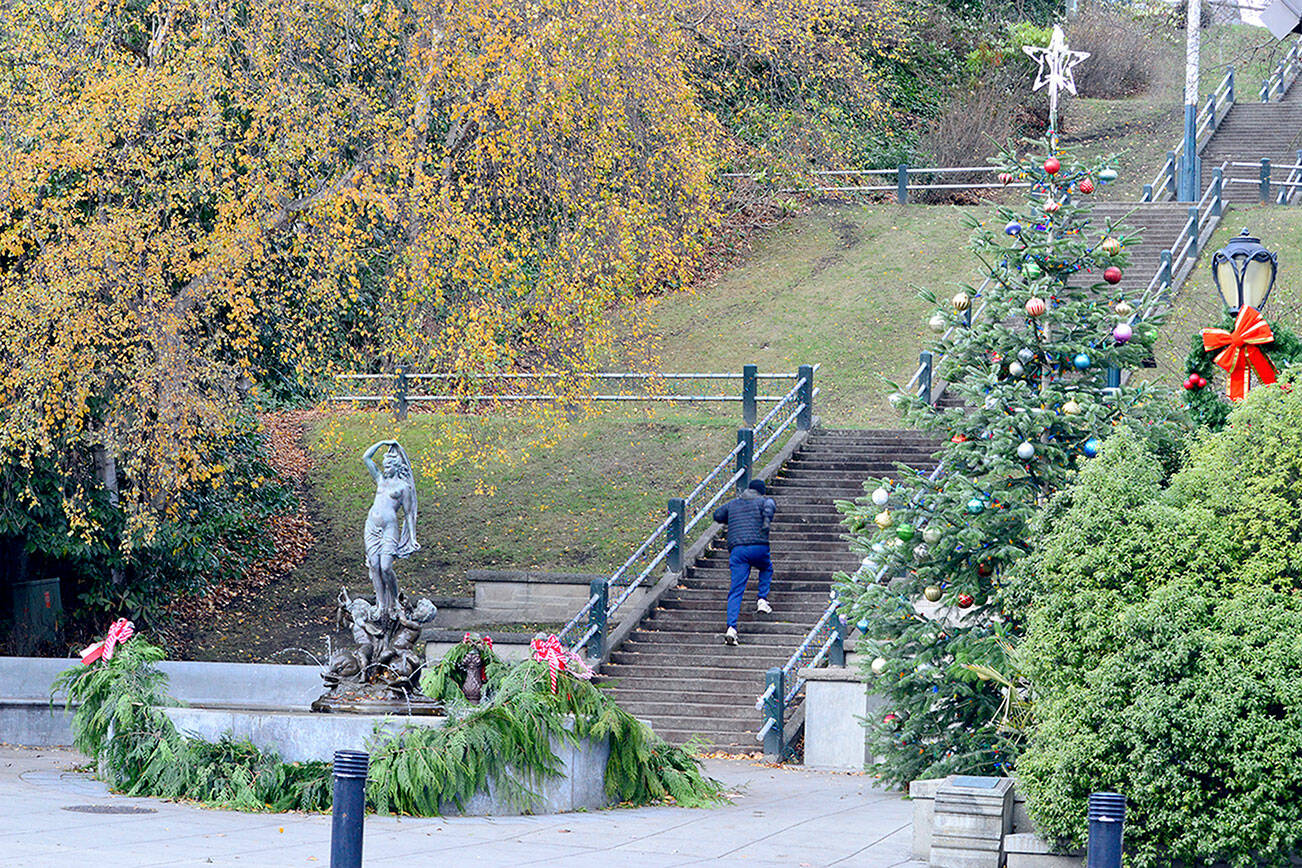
{"x":709,"y":504}
{"x":718,"y":468}
{"x":1281,"y":78}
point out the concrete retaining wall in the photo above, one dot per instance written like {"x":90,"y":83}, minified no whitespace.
{"x":27,"y":717}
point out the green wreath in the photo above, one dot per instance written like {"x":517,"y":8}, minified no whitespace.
{"x":1208,"y":405}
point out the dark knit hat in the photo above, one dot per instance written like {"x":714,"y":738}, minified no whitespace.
{"x":757,"y":485}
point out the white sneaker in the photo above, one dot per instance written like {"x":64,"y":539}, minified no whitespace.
{"x":762,"y":605}
{"x":730,"y":637}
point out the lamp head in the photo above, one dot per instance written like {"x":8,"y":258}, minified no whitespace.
{"x":1244,"y":272}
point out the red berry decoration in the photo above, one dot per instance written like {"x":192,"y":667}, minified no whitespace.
{"x":1190,"y":384}
{"x":958,"y":438}
{"x":1086,"y":186}
{"x":965,"y":600}
{"x":1052,"y":165}
{"x":1112,"y":274}
{"x":984,"y":569}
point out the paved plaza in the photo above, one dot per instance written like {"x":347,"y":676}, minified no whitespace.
{"x":778,"y":816}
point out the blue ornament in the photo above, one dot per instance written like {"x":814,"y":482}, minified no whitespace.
{"x":1082,"y":361}
{"x":863,"y":625}
{"x":1091,"y":447}
{"x":976,"y":506}
{"x":1013,"y":228}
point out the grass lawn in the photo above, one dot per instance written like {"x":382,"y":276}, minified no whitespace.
{"x":836,"y":286}
{"x":512,"y":495}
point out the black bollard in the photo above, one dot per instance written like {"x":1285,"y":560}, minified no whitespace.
{"x":349,"y":809}
{"x":1107,"y":815}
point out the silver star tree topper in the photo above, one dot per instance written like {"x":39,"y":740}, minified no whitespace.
{"x":1056,"y":62}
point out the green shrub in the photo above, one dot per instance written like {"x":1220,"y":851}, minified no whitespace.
{"x":1163,"y":644}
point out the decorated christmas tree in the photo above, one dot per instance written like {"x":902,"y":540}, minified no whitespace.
{"x":1027,"y":358}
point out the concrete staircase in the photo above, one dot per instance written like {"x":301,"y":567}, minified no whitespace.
{"x":675,"y":672}
{"x":1249,"y":132}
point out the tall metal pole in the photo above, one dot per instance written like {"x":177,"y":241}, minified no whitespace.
{"x":1189,"y":166}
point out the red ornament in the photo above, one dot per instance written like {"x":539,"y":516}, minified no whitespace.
{"x":1052,"y":165}
{"x":984,"y":569}
{"x":965,"y":600}
{"x":1005,"y":177}
{"x":1052,"y":207}
{"x":1036,"y":307}
{"x":1198,"y":378}
{"x":1086,"y":186}
{"x":1112,"y":274}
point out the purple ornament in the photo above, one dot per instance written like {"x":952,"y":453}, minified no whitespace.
{"x":1123,"y":332}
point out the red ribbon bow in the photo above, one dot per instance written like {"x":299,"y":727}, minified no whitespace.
{"x":121,"y":631}
{"x":1240,"y":351}
{"x":558,"y":658}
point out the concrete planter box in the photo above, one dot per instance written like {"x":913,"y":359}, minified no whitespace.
{"x":268,"y":705}
{"x":836,"y":702}
{"x":299,"y":736}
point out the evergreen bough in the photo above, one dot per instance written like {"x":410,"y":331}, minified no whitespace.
{"x":507,"y":741}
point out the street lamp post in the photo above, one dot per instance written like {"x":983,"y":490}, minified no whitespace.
{"x":1244,"y":272}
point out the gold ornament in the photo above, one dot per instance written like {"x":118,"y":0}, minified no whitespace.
{"x":883,"y":519}
{"x":961,"y":301}
{"x":1122,"y":309}
{"x":1111,"y":246}
{"x":1071,"y":408}
{"x":932,"y":593}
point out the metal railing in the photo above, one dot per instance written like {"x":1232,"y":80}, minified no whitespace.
{"x":667,"y":543}
{"x":1262,"y":178}
{"x":898,"y":180}
{"x":575,"y":386}
{"x":1219,"y":102}
{"x":1283,"y":75}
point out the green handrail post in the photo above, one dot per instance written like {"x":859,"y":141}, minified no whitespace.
{"x":805,"y":418}
{"x":836,"y":654}
{"x":925,"y":359}
{"x":1193,"y":231}
{"x":749,"y":386}
{"x":1211,"y":113}
{"x":401,"y":398}
{"x":1166,"y":268}
{"x":902,"y":183}
{"x":745,"y":456}
{"x":1170,"y":173}
{"x":1229,"y":91}
{"x":1218,"y":182}
{"x":677,"y":511}
{"x":1265,"y":179}
{"x":774,"y":708}
{"x":1264,"y":93}
{"x":1148,"y":193}
{"x":597,"y":615}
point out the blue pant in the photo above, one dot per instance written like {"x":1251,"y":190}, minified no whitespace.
{"x":740,"y":560}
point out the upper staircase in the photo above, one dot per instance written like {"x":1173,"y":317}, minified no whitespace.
{"x":1249,"y":132}
{"x":675,"y":672}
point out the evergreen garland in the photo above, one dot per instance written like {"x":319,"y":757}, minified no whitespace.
{"x":1208,"y":405}
{"x":506,"y":740}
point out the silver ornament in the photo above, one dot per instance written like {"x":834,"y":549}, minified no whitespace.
{"x":1026,"y":451}
{"x":932,"y":534}
{"x":881,"y":496}
{"x":1016,"y":369}
{"x":1026,"y":355}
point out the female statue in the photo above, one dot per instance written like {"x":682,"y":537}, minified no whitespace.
{"x":391,"y":523}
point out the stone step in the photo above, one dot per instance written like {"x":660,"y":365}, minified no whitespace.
{"x":779,"y":598}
